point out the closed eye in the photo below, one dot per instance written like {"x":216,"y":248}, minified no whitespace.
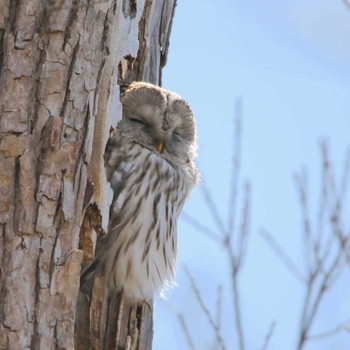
{"x":177,"y":135}
{"x":139,"y":121}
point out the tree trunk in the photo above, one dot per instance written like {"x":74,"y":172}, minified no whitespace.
{"x":60,"y":66}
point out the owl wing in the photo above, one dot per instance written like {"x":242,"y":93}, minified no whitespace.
{"x":115,"y":158}
{"x":116,"y":166}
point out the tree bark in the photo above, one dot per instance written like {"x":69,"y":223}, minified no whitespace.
{"x":60,"y":66}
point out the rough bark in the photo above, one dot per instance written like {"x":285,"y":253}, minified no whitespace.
{"x":60,"y":65}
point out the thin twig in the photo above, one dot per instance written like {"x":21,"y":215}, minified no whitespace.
{"x":328,"y":265}
{"x":237,"y":304}
{"x":242,"y":238}
{"x":282,"y":255}
{"x":342,"y":237}
{"x":219,"y":306}
{"x":344,"y":182}
{"x":205,"y":310}
{"x":321,"y":209}
{"x":236,"y":262}
{"x":347,"y":4}
{"x":344,"y":326}
{"x":213,"y":208}
{"x":202,"y":228}
{"x":301,"y":181}
{"x":186,"y":331}
{"x":311,"y":308}
{"x":235,"y":248}
{"x":183,"y":325}
{"x":235,"y":167}
{"x":269,"y":335}
{"x":339,"y":231}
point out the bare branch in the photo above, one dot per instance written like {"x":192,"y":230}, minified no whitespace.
{"x":282,"y":255}
{"x":186,"y":331}
{"x":202,"y":228}
{"x":205,"y":310}
{"x":183,"y":325}
{"x":244,"y":229}
{"x":301,"y":181}
{"x":236,"y":167}
{"x":339,"y":231}
{"x":323,"y":200}
{"x":344,"y":326}
{"x":237,"y":306}
{"x":344,"y":182}
{"x":235,"y":248}
{"x":347,"y":4}
{"x":269,"y":335}
{"x":325,"y":248}
{"x":213,"y":209}
{"x":343,"y":239}
{"x":219,"y":306}
{"x":311,"y":305}
{"x":328,"y":264}
{"x":236,"y":260}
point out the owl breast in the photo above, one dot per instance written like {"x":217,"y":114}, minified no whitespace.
{"x":142,"y":235}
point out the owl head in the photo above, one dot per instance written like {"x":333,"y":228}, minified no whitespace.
{"x":159,"y":120}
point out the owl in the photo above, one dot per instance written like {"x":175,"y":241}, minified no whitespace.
{"x":149,"y":163}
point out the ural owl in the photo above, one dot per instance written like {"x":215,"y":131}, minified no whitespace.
{"x":149,"y":164}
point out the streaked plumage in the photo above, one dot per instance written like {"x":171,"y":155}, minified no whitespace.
{"x":149,"y":164}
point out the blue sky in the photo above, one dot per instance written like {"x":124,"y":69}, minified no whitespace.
{"x":289,"y":61}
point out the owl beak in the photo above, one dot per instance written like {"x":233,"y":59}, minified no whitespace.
{"x":159,"y":147}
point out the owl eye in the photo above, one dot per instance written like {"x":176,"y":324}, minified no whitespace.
{"x":177,"y":135}
{"x":139,"y":121}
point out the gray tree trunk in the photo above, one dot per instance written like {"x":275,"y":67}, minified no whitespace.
{"x":60,"y":66}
